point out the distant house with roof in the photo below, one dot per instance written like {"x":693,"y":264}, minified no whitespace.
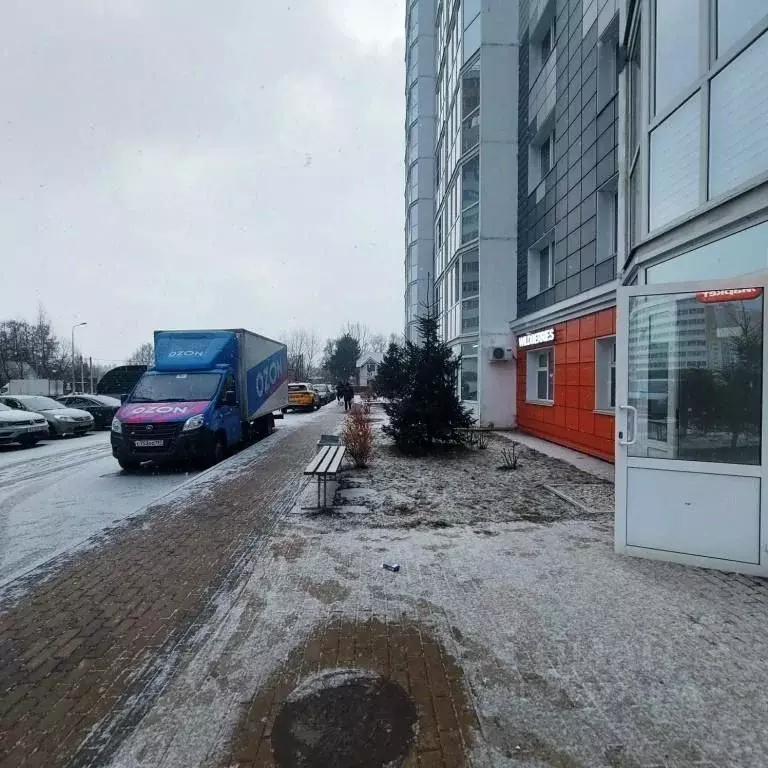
{"x":367,"y":366}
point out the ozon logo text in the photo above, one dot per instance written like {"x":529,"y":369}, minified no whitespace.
{"x":268,"y":377}
{"x":185,"y":353}
{"x":174,"y":409}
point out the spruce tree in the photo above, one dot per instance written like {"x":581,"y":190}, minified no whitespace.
{"x":427,"y":412}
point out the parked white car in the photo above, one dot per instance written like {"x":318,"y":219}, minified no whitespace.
{"x":62,"y":421}
{"x":20,"y":427}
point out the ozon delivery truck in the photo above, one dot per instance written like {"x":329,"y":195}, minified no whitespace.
{"x":206,"y":392}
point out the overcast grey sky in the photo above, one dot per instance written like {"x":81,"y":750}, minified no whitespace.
{"x":179,"y":163}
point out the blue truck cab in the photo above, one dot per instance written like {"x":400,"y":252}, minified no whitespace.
{"x":206,"y":392}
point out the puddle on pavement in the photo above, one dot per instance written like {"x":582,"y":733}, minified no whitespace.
{"x":365,"y":694}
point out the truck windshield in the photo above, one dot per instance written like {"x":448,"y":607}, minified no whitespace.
{"x":176,"y":387}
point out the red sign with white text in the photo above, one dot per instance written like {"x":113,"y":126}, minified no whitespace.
{"x":728,"y":294}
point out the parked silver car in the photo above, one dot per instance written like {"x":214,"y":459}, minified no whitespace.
{"x":62,"y":421}
{"x":24,"y":428}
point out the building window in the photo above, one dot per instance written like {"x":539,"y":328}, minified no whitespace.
{"x":546,"y":154}
{"x":470,"y":223}
{"x":541,"y":268}
{"x":413,"y":143}
{"x":605,"y":365}
{"x":412,"y":105}
{"x":470,"y":107}
{"x":468,"y":372}
{"x":676,"y":48}
{"x":470,"y":315}
{"x":734,"y":20}
{"x":547,"y":42}
{"x":608,"y":220}
{"x":608,"y":64}
{"x":470,"y":275}
{"x":540,"y":383}
{"x":738,"y":127}
{"x":413,"y":223}
{"x":470,"y":183}
{"x":674,"y":162}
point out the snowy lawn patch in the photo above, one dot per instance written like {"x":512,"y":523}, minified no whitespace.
{"x":467,"y":486}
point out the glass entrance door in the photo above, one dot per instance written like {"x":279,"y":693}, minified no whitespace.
{"x":691,"y":442}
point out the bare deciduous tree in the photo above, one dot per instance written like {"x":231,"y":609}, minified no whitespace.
{"x":143,"y":355}
{"x":32,"y":349}
{"x":303,"y":352}
{"x":379,"y":343}
{"x":361,"y":333}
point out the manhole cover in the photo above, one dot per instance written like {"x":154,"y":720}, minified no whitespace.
{"x":344,"y":718}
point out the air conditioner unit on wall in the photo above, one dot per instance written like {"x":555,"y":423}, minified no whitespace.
{"x":498,"y":354}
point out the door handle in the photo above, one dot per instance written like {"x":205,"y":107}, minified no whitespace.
{"x":630,"y":409}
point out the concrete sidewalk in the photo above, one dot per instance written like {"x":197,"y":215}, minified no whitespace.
{"x":597,"y":467}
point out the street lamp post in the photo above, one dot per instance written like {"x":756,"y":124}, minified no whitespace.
{"x":78,"y":325}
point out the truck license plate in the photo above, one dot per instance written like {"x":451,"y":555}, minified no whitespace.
{"x":149,"y":443}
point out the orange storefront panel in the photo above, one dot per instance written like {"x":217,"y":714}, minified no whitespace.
{"x":571,"y":419}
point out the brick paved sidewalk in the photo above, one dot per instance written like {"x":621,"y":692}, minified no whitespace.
{"x":89,"y":637}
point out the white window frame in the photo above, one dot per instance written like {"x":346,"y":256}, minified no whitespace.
{"x":534,"y":265}
{"x":608,"y":64}
{"x":605,"y":374}
{"x":533,"y":368}
{"x":549,"y":145}
{"x":608,"y":220}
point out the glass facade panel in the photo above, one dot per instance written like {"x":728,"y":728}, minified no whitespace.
{"x":738,"y":254}
{"x":470,"y":224}
{"x":470,"y":89}
{"x":413,"y":223}
{"x":738,"y":133}
{"x":469,"y":378}
{"x":412,"y":104}
{"x":470,"y":182}
{"x":677,"y":48}
{"x":735,"y":19}
{"x":696,"y":377}
{"x":470,"y":275}
{"x":472,"y":39}
{"x":470,"y":315}
{"x":471,"y":8}
{"x":674,"y":162}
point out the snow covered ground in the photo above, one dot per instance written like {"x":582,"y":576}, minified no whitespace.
{"x":572,"y":656}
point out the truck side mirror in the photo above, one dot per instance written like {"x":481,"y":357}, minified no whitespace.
{"x":228,"y":398}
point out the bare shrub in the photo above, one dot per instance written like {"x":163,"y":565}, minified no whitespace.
{"x":357,"y":436}
{"x":509,"y":456}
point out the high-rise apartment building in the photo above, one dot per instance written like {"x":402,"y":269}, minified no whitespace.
{"x":419,"y":158}
{"x":598,"y":206}
{"x":461,"y":218}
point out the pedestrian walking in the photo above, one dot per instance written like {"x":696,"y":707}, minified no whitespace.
{"x":349,"y":395}
{"x":339,"y":392}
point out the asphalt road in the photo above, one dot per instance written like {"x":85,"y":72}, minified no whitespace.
{"x":58,"y":494}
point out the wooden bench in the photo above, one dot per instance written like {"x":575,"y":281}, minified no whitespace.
{"x":325,"y":464}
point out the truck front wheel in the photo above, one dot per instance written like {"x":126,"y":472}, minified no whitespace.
{"x":129,"y":465}
{"x":218,"y":451}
